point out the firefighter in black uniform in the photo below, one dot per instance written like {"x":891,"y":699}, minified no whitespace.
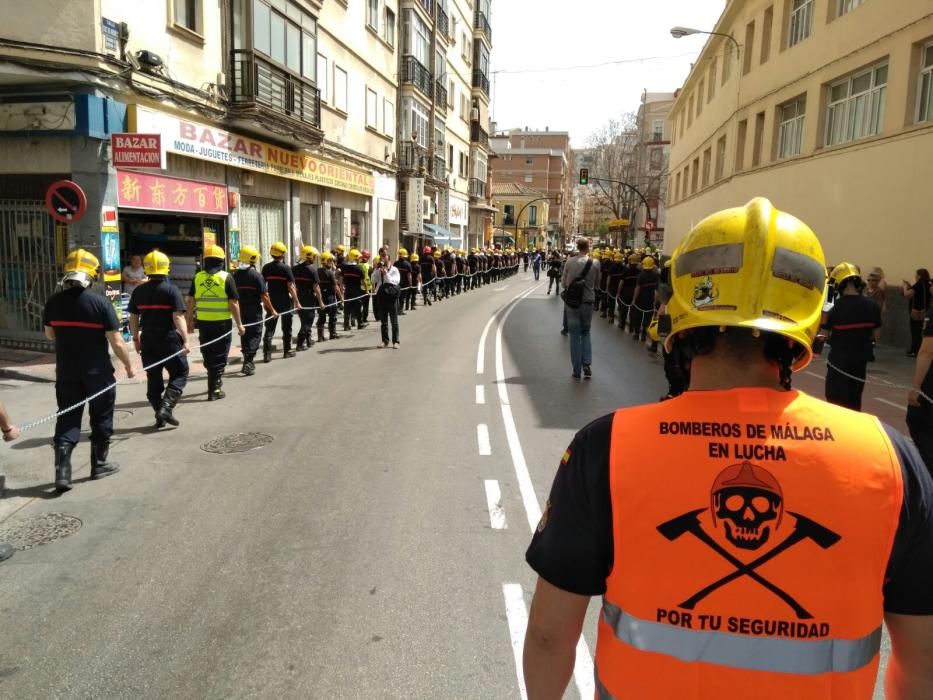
{"x":330,"y":294}
{"x":853,"y":324}
{"x":627,"y":289}
{"x":351,"y":278}
{"x":428,"y":267}
{"x":643,"y":299}
{"x":440,"y":283}
{"x":404,"y":271}
{"x":309,"y":294}
{"x":213,"y":299}
{"x":614,"y":270}
{"x":158,"y":310}
{"x":281,"y":285}
{"x":82,"y":324}
{"x":251,"y":288}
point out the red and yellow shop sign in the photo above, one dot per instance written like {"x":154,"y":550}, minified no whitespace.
{"x":194,"y":139}
{"x":144,"y":191}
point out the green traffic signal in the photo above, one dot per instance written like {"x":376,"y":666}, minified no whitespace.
{"x":584,"y":176}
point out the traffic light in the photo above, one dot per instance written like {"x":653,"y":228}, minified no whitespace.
{"x":584,"y":176}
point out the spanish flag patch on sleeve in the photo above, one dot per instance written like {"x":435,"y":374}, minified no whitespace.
{"x":565,"y":458}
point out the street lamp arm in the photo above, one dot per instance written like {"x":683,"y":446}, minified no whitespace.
{"x":680,"y":32}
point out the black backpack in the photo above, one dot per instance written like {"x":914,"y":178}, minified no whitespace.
{"x":573,"y":294}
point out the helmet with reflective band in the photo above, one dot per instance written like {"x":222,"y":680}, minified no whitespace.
{"x":309,"y":253}
{"x":248,"y":254}
{"x":750,"y":267}
{"x":326,"y":257}
{"x":214,"y":251}
{"x":843,"y":272}
{"x":354,"y":254}
{"x":81,"y":267}
{"x":156,"y":263}
{"x":648,"y":263}
{"x":402,"y":253}
{"x":278,"y":249}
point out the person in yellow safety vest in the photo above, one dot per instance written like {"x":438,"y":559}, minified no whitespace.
{"x":367,"y":282}
{"x":213,"y":299}
{"x":781,"y":532}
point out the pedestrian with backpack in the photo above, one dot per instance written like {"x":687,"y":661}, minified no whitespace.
{"x":579,"y":281}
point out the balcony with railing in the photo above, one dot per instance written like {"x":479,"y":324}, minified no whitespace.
{"x":440,"y":95}
{"x":410,"y":156}
{"x":438,"y":168}
{"x":414,"y":73}
{"x":477,"y":188}
{"x":479,"y":135}
{"x":481,"y":81}
{"x":443,"y":22}
{"x":481,"y":24}
{"x":258,"y":83}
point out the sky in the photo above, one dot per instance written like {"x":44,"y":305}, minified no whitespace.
{"x":531,"y":35}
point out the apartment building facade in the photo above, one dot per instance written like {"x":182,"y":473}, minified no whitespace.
{"x":444,"y":94}
{"x":826,"y":109}
{"x":541,"y":160}
{"x":652,"y":154}
{"x":522,"y":215}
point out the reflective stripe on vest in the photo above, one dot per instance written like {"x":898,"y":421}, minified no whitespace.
{"x":743,"y":561}
{"x":210,"y":296}
{"x":774,"y":654}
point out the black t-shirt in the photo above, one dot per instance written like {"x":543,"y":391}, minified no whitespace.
{"x":629,"y":281}
{"x":427,"y":269}
{"x":230,"y":288}
{"x":327,"y":279}
{"x":921,"y":298}
{"x":573,"y":550}
{"x":927,"y":385}
{"x":156,"y":301}
{"x":81,"y":320}
{"x":306,"y":278}
{"x":250,"y":287}
{"x":647,"y":286}
{"x":352,"y":277}
{"x":852,"y":321}
{"x":278,"y":276}
{"x":404,"y":271}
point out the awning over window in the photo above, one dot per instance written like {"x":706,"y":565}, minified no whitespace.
{"x":442,"y":236}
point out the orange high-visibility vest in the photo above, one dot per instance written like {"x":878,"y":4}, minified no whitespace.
{"x":752,"y":530}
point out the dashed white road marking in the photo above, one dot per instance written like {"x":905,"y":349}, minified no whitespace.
{"x":480,"y":394}
{"x":482,"y":440}
{"x":517,"y":615}
{"x":891,"y":403}
{"x":494,"y":504}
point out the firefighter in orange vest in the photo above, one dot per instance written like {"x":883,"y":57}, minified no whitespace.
{"x":781,"y":532}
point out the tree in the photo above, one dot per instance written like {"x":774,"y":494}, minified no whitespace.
{"x":612,"y":153}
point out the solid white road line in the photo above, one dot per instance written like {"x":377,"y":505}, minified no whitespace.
{"x":813,"y":374}
{"x":481,"y":350}
{"x":494,"y":504}
{"x":482,"y":439}
{"x":517,"y":615}
{"x":891,"y":403}
{"x":583,"y":667}
{"x":480,"y":394}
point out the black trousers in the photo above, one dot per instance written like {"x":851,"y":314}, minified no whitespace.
{"x":425,"y":291}
{"x":916,"y":336}
{"x":389,"y":315}
{"x":328,"y":315}
{"x":272,"y":322}
{"x":215,"y":355}
{"x":675,"y":374}
{"x":75,"y":388}
{"x":365,"y":306}
{"x":551,"y":282}
{"x":841,"y":390}
{"x":352,"y":306}
{"x":249,"y":341}
{"x":610,"y":306}
{"x":306,"y":319}
{"x":920,"y":425}
{"x":177,"y":367}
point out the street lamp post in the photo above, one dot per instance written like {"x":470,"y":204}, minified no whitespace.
{"x":681,"y":32}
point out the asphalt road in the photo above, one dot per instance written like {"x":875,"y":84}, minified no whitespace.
{"x":375,"y":548}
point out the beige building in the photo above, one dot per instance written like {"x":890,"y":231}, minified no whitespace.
{"x":652,"y":156}
{"x":522,"y":214}
{"x":826,"y":109}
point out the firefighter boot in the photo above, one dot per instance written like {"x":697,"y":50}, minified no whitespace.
{"x":100,"y":467}
{"x":302,"y":341}
{"x":320,"y":334}
{"x":249,"y":368}
{"x":267,"y":349}
{"x":287,"y":346}
{"x":169,"y":400}
{"x":63,"y":467}
{"x":219,"y":386}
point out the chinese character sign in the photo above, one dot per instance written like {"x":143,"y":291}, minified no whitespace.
{"x":144,"y":191}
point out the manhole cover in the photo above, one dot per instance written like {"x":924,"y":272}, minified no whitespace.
{"x":40,"y":529}
{"x":238,"y":442}
{"x":121,"y":414}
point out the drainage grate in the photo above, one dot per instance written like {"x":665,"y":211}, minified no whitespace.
{"x":40,"y":529}
{"x":238,"y":442}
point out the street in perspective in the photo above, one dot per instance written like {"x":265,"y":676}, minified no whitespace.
{"x":466,"y":349}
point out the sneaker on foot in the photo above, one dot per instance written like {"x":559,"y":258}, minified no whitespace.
{"x":587,"y":371}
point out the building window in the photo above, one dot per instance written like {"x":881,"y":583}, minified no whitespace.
{"x":388,"y":31}
{"x":450,"y":156}
{"x":726,"y":63}
{"x":847,"y":6}
{"x":801,"y":21}
{"x":700,"y":90}
{"x":712,"y":79}
{"x":720,"y":158}
{"x":372,"y":14}
{"x":707,"y":165}
{"x":340,"y":88}
{"x":508,"y":212}
{"x":533,"y":215}
{"x":415,"y":121}
{"x":677,"y":186}
{"x":856,"y":106}
{"x":657,"y":130}
{"x":187,"y":15}
{"x":415,"y":38}
{"x":287,"y":35}
{"x":766,"y":26}
{"x":925,"y":112}
{"x":452,"y":94}
{"x":695,"y":176}
{"x":740,"y":146}
{"x":388,"y":118}
{"x":749,"y":45}
{"x":322,"y":81}
{"x":372,"y":109}
{"x":655,"y":156}
{"x":690,"y":108}
{"x":528,"y":161}
{"x":759,"y":139}
{"x":790,"y":130}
